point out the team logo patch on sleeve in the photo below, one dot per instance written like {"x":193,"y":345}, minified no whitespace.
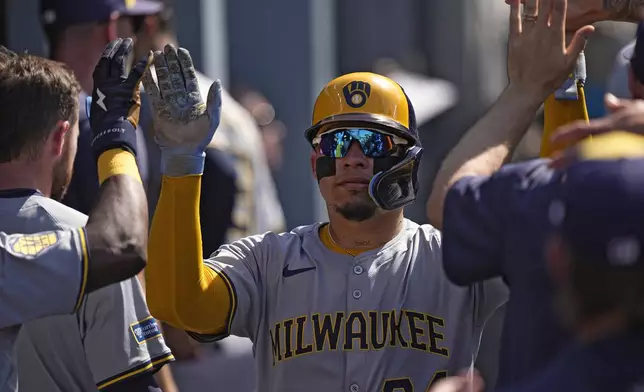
{"x":32,"y":245}
{"x":145,"y":329}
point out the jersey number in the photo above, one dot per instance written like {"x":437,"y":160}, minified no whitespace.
{"x":405,"y":385}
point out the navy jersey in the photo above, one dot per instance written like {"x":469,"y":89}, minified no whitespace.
{"x":496,"y":226}
{"x":612,"y":364}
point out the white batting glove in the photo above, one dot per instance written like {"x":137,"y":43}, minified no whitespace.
{"x":183,"y":124}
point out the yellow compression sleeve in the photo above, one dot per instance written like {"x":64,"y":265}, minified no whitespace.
{"x":558,"y":112}
{"x":180,"y":290}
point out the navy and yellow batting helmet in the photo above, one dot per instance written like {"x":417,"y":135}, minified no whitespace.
{"x":361,"y":103}
{"x":367,"y":99}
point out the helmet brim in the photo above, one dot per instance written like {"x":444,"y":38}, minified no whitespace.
{"x":351,"y":120}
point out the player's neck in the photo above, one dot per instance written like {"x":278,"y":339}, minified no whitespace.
{"x":370,"y":233}
{"x":25,"y":175}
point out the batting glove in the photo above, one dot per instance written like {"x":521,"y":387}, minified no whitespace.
{"x":116,"y":99}
{"x":183,"y":124}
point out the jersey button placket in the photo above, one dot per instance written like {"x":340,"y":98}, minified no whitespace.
{"x":358,"y":307}
{"x":358,"y":270}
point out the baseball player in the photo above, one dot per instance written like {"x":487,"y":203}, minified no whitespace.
{"x":360,"y":303}
{"x":494,"y":217}
{"x":598,"y":273}
{"x":110,"y":342}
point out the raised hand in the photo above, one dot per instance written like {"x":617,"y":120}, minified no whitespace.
{"x":539,"y":60}
{"x":116,"y":100}
{"x":585,"y":12}
{"x":624,"y":115}
{"x":183,"y":124}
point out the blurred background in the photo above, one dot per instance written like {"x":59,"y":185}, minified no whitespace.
{"x":274,"y":57}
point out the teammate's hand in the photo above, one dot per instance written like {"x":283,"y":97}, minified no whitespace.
{"x":116,"y":100}
{"x":585,"y":12}
{"x":465,"y":382}
{"x":538,"y":59}
{"x":183,"y":124}
{"x":624,"y":115}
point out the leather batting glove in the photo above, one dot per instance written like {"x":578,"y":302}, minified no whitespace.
{"x":183,"y":124}
{"x":116,"y":99}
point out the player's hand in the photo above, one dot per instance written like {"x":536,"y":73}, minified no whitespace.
{"x":624,"y":115}
{"x":116,"y":101}
{"x":183,"y":124}
{"x":465,"y":382}
{"x":585,"y":12}
{"x":539,"y":61}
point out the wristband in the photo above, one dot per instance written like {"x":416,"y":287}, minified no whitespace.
{"x":117,"y":161}
{"x":117,"y":133}
{"x":177,"y":164}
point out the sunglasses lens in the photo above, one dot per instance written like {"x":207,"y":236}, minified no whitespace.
{"x":373,"y":144}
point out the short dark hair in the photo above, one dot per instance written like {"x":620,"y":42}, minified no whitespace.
{"x":35,"y":93}
{"x":604,"y":288}
{"x":6,"y":55}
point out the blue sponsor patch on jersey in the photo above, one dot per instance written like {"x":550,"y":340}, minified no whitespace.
{"x":145,"y":329}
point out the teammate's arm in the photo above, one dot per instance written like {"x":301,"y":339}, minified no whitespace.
{"x":142,"y":383}
{"x":538,"y":63}
{"x":117,"y":225}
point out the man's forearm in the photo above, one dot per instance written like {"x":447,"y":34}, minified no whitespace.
{"x":117,"y":231}
{"x":486,"y":146}
{"x":165,"y":380}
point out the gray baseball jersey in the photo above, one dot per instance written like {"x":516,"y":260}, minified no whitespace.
{"x":385,"y":320}
{"x":109,"y":338}
{"x":51,"y":267}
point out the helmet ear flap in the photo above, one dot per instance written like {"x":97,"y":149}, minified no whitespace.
{"x":398,"y":186}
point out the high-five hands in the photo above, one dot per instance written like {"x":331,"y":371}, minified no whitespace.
{"x":539,"y":61}
{"x":183,"y":124}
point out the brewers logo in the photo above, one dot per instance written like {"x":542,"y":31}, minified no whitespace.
{"x":356,"y":93}
{"x":32,"y":245}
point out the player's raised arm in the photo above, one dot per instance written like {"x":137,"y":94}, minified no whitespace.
{"x":117,"y":225}
{"x":179,"y":289}
{"x":538,"y":63}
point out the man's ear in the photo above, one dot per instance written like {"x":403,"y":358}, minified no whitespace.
{"x":57,"y":137}
{"x":557,"y":259}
